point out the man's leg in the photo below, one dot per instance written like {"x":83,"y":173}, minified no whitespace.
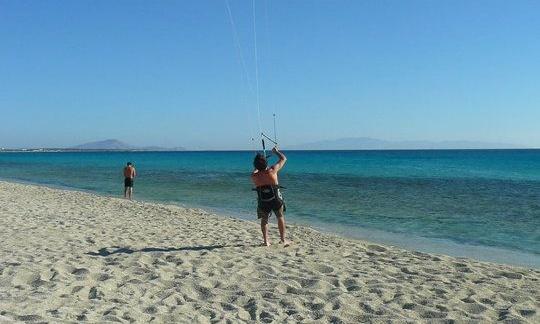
{"x":126,"y":191}
{"x":130,"y":192}
{"x":281,"y":225}
{"x":264,"y":225}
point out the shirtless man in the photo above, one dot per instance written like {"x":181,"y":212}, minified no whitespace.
{"x":269,"y":197}
{"x":129,"y":175}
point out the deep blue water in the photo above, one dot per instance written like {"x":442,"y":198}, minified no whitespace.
{"x":482,"y":198}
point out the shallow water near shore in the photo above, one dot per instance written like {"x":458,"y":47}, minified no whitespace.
{"x":477,"y":203}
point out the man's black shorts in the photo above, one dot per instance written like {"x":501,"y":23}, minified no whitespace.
{"x":265,"y":208}
{"x":128,"y":182}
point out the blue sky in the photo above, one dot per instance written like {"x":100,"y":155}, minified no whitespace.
{"x":168,"y":72}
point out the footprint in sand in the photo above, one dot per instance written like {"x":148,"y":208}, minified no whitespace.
{"x":228,"y":265}
{"x":76,"y":289}
{"x":439,"y":291}
{"x":29,"y":318}
{"x":431,"y":314}
{"x":251,"y":308}
{"x":527,"y":312}
{"x":323,"y":268}
{"x":28,"y":278}
{"x":376,"y":248}
{"x":474,"y":308}
{"x":408,"y":271}
{"x":354,"y":288}
{"x":266,"y":317}
{"x":511,"y":275}
{"x":80,"y":272}
{"x":150,"y":310}
{"x":367,"y":308}
{"x":309,"y":283}
{"x":103,"y":277}
{"x":350,"y":282}
{"x":110,"y":311}
{"x":228,"y":307}
{"x":408,"y":306}
{"x":487,"y":301}
{"x":94,"y":293}
{"x":351,"y":285}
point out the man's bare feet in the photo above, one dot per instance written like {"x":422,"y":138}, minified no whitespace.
{"x":285,"y":243}
{"x":265,"y":244}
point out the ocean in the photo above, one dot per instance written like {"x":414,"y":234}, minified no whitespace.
{"x":483,"y":204}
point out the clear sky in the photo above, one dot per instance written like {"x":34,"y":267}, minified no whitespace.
{"x":168,"y":72}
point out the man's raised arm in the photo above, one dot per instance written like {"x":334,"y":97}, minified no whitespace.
{"x":282,"y":159}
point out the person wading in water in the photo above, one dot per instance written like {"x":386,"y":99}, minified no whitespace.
{"x":269,"y":197}
{"x":129,"y":175}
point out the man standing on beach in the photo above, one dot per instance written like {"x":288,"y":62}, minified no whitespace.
{"x":129,"y":175}
{"x":269,"y":197}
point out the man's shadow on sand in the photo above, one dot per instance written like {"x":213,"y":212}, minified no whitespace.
{"x":104,"y":252}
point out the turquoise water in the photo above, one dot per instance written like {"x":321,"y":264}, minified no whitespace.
{"x":470,"y":199}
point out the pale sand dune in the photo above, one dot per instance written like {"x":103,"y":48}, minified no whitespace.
{"x":71,"y":256}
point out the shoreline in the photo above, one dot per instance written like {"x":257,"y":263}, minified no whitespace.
{"x":75,"y":256}
{"x":411,"y":243}
{"x":400,"y":240}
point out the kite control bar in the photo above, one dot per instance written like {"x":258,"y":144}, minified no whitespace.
{"x":263,"y":136}
{"x":268,"y":138}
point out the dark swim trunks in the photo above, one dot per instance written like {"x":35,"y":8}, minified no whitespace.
{"x":269,"y":200}
{"x":128,"y":182}
{"x":266,"y":213}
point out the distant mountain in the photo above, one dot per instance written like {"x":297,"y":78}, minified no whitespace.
{"x":366,"y":143}
{"x":116,"y":145}
{"x":110,"y":144}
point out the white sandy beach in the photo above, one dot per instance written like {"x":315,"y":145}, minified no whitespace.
{"x":69,"y":256}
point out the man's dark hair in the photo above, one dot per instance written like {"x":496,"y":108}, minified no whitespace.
{"x":129,"y":163}
{"x":260,"y":162}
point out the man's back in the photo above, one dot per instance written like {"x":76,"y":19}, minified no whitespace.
{"x":269,"y":177}
{"x":265,"y":178}
{"x":129,"y":172}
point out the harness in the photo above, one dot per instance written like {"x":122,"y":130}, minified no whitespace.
{"x":269,"y":197}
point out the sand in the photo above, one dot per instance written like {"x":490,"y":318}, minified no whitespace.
{"x":69,"y":256}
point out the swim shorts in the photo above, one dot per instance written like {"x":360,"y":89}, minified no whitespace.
{"x":128,"y":182}
{"x":269,"y":199}
{"x":266,"y":212}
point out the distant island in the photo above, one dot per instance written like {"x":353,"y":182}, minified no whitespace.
{"x":105,"y":145}
{"x":116,"y":145}
{"x":351,"y":143}
{"x":366,"y":143}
